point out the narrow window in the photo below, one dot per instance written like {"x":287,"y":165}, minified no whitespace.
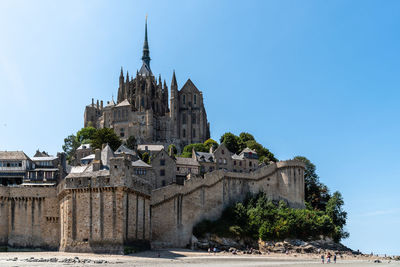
{"x":195,"y":99}
{"x":162,"y":172}
{"x":184,"y":99}
{"x":184,"y":133}
{"x":194,"y":133}
{"x":162,"y":162}
{"x":183,"y":118}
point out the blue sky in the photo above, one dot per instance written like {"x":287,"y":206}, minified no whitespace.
{"x":313,"y":78}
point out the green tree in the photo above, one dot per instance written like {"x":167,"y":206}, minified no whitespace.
{"x":211,"y":143}
{"x":105,"y":136}
{"x":316,"y":193}
{"x":187,"y":150}
{"x":243,"y":139}
{"x":231,"y":141}
{"x":131,"y":142}
{"x":85,"y":135}
{"x":70,"y":145}
{"x":334,"y":209}
{"x":146,"y":157}
{"x":172,"y":150}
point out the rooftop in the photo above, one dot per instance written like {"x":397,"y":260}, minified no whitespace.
{"x":186,"y":161}
{"x":13,"y":155}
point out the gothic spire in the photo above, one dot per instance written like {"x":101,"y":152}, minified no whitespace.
{"x":146,"y":51}
{"x":173,"y":82}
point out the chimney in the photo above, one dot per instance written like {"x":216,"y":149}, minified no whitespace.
{"x":97,"y":104}
{"x":101,"y":104}
{"x":97,"y":160}
{"x":92,"y":102}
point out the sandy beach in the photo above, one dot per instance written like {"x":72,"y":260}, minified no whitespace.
{"x":166,"y":258}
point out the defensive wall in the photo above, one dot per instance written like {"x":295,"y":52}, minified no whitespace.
{"x":176,"y":209}
{"x":29,"y":217}
{"x":107,"y":210}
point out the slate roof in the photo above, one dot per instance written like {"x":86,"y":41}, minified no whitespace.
{"x":145,"y":70}
{"x":186,"y":161}
{"x":189,"y":87}
{"x":13,"y":155}
{"x":124,"y":149}
{"x":140,"y":163}
{"x":43,"y":158}
{"x":78,"y":169}
{"x":124,"y":103}
{"x":111,"y":104}
{"x":204,"y":157}
{"x":91,"y":156}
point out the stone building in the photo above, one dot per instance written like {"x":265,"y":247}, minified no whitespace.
{"x":145,"y":110}
{"x":17,"y":168}
{"x":13,"y":167}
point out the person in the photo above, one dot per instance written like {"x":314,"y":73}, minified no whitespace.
{"x":209,"y":250}
{"x":215,"y":250}
{"x":319,"y":251}
{"x":334,"y":258}
{"x":323,"y":258}
{"x":328,"y":258}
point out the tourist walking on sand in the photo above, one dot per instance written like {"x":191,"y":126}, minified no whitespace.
{"x":323,"y":258}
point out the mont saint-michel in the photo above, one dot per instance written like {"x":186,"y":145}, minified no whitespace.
{"x":249,"y":132}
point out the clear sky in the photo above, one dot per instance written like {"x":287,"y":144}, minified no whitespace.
{"x":313,"y":78}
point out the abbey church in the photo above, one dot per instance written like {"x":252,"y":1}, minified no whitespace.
{"x":142,"y":109}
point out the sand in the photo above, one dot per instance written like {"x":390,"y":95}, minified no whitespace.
{"x":169,"y":258}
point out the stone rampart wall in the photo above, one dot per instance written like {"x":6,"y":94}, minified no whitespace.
{"x":29,"y":217}
{"x":176,"y":209}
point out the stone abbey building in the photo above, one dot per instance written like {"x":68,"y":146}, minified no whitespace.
{"x":142,"y":109}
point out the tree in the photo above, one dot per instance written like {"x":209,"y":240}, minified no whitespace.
{"x":231,"y":141}
{"x":172,"y":150}
{"x":131,"y":142}
{"x":187,"y":150}
{"x":85,"y":135}
{"x":105,"y":136}
{"x":211,"y":143}
{"x":243,"y":139}
{"x":70,"y":145}
{"x":316,"y":193}
{"x":335,"y":211}
{"x":146,"y":157}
